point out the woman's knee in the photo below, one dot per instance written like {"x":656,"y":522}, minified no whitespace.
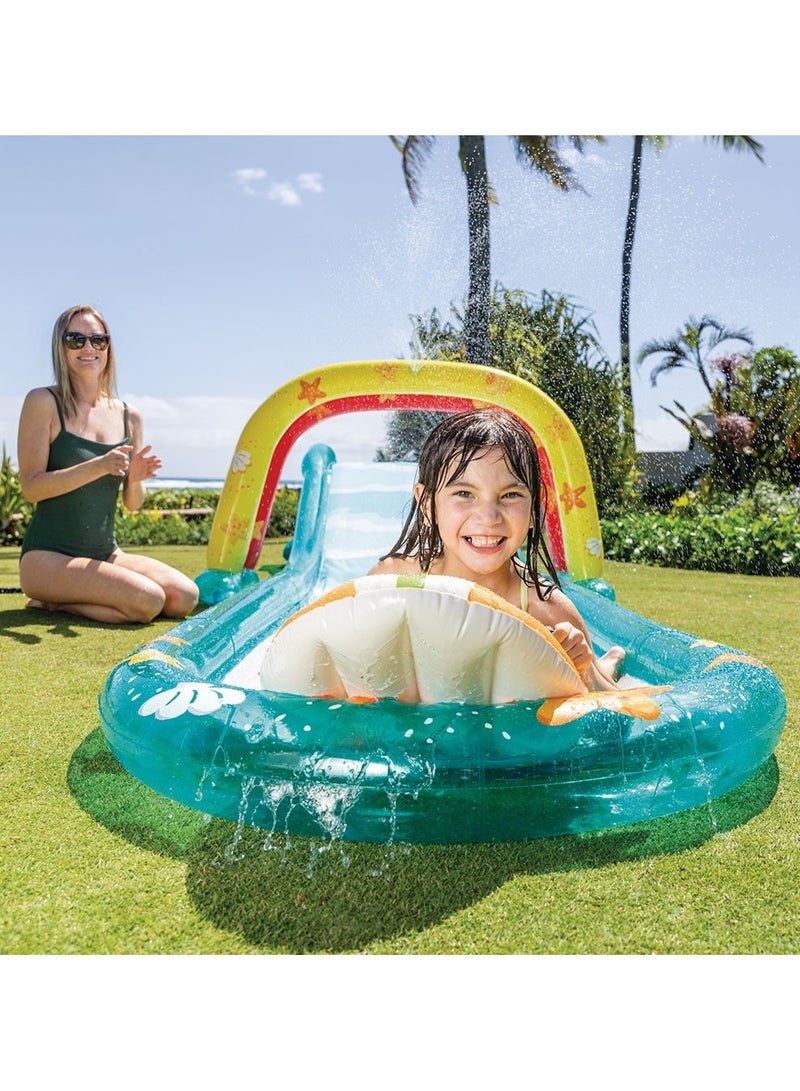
{"x":145,"y":603}
{"x":180,"y":599}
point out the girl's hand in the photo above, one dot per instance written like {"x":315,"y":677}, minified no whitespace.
{"x":144,"y":465}
{"x":574,"y":644}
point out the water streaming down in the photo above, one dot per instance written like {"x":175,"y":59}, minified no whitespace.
{"x":361,"y":522}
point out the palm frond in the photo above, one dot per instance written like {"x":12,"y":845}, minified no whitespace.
{"x":540,"y":153}
{"x":657,"y":143}
{"x":739,"y":144}
{"x":650,"y":348}
{"x":414,"y":150}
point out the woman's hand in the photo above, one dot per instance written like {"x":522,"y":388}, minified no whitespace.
{"x":117,"y":462}
{"x":143,"y":465}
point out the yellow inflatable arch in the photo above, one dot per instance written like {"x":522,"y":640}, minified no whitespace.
{"x":244,"y":507}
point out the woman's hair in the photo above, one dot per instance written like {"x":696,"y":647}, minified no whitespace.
{"x":445,"y":454}
{"x":108,"y":379}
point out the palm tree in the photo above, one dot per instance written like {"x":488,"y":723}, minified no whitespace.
{"x":539,"y":153}
{"x":691,"y":347}
{"x":658,"y":143}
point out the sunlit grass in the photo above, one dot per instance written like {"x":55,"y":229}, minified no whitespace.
{"x":94,"y":862}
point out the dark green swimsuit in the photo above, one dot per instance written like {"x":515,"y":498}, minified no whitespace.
{"x":79,"y":523}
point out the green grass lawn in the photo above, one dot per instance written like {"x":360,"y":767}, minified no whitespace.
{"x":94,"y":862}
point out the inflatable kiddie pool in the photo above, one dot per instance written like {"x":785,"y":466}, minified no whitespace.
{"x":321,"y":703}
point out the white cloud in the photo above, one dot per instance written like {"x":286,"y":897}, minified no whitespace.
{"x":247,"y":176}
{"x":283,"y":193}
{"x":311,"y":182}
{"x":253,"y":183}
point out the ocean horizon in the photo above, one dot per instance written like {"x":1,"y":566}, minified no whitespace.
{"x":212,"y":483}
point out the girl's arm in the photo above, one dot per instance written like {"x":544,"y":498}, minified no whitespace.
{"x":38,"y":426}
{"x":143,"y":464}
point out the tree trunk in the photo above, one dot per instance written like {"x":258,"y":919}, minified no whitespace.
{"x":625,"y":296}
{"x":473,"y":158}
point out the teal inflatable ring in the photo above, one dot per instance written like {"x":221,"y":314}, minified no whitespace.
{"x":187,"y":715}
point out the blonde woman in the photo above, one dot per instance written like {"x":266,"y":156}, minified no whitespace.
{"x":77,"y":446}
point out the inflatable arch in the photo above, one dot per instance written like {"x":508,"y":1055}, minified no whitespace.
{"x":243,"y":512}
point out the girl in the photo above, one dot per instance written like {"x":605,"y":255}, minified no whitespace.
{"x":78,"y":444}
{"x":478,"y":501}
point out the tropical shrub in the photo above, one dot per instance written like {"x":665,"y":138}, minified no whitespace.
{"x":284,"y":513}
{"x":757,"y":533}
{"x":167,"y":499}
{"x":755,"y":403}
{"x":15,"y":511}
{"x":150,"y":526}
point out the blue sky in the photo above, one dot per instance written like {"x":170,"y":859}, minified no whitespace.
{"x":216,"y":295}
{"x":226,"y":265}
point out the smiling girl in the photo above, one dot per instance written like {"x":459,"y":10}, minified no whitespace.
{"x":479,"y":501}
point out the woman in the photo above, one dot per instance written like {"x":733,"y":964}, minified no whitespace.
{"x":77,"y":445}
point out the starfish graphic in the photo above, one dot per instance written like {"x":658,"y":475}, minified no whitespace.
{"x":572,"y":498}
{"x":637,"y":702}
{"x":236,"y":527}
{"x":319,"y":412}
{"x":557,"y":429}
{"x":387,"y":371}
{"x":500,"y":383}
{"x":311,"y":392}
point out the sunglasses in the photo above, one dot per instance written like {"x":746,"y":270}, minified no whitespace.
{"x":78,"y":340}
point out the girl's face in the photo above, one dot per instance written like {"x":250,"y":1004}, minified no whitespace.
{"x":483,"y":517}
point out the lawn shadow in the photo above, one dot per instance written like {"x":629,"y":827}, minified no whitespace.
{"x":124,"y":805}
{"x":296,"y":895}
{"x":48,"y":621}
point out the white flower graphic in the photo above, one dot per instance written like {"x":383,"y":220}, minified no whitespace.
{"x":240,"y":461}
{"x":198,"y":698}
{"x":594,"y":546}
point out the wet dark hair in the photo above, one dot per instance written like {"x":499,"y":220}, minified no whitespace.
{"x":445,"y":454}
